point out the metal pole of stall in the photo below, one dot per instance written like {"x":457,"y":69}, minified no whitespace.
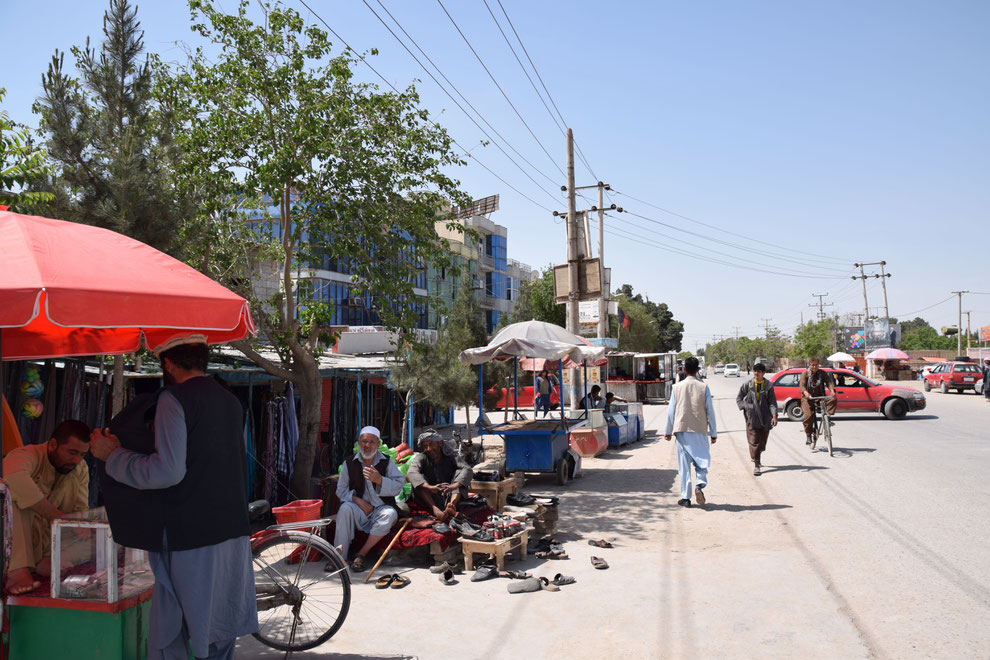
{"x":584,"y":377}
{"x":560,"y":376}
{"x":411,"y":419}
{"x":481,"y":394}
{"x":515,"y":388}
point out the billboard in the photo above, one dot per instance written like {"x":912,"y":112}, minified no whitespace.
{"x":985,"y":333}
{"x":877,"y":333}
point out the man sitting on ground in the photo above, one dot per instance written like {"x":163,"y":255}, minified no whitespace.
{"x":439,"y":479}
{"x":368,"y":484}
{"x":46,"y":482}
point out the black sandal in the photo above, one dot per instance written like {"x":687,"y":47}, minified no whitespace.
{"x":357,"y":564}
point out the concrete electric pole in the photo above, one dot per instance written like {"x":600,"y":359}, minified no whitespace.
{"x":959,"y":323}
{"x":573,"y":245}
{"x":821,"y":304}
{"x":883,"y":281}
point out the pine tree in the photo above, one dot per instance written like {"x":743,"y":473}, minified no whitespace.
{"x":106,"y":137}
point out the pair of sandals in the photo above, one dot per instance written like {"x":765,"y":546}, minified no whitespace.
{"x":601,"y":543}
{"x":488,"y":571}
{"x":395,"y":581}
{"x":554,"y":551}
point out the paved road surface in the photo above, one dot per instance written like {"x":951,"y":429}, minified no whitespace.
{"x":879,"y":551}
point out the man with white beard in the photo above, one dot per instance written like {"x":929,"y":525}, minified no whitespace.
{"x":368,"y":484}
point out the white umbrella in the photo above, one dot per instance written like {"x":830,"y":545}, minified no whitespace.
{"x":841,"y":357}
{"x":533,"y":339}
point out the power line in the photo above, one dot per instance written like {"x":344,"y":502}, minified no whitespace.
{"x":528,"y":77}
{"x":506,"y":96}
{"x":940,"y":302}
{"x":451,"y":97}
{"x":395,"y":89}
{"x":716,"y":240}
{"x":544,"y":85}
{"x":819,"y":257}
{"x":747,"y":267}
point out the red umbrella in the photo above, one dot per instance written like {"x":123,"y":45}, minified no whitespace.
{"x":73,"y":289}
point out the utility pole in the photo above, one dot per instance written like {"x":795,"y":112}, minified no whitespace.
{"x":883,"y":284}
{"x":573,"y":246}
{"x":603,"y":296}
{"x":736,"y":327}
{"x":821,"y":305}
{"x":766,"y":327}
{"x":866,"y":304}
{"x":968,"y":336}
{"x":959,"y":325}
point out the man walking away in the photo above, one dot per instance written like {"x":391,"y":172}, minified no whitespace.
{"x":691,"y":418}
{"x":815,"y":382}
{"x":758,"y":402}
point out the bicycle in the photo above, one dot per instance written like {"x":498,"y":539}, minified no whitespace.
{"x":301,"y":580}
{"x":823,"y":425}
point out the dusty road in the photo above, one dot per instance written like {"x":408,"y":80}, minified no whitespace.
{"x":879,"y":551}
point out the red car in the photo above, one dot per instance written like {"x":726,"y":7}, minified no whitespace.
{"x":855,"y":394}
{"x":956,"y":376}
{"x":525,"y":397}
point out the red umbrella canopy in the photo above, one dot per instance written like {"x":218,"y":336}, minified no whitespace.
{"x":73,"y":289}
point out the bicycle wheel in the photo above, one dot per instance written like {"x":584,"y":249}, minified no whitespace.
{"x":827,"y":432}
{"x":300,"y":604}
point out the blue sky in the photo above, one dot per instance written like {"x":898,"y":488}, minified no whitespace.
{"x":822,"y":133}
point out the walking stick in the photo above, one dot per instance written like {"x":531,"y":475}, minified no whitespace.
{"x":387,"y":549}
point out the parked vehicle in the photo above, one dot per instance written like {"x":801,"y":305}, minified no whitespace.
{"x":958,"y":376}
{"x":525,"y":397}
{"x":731,"y":369}
{"x":854,"y":392}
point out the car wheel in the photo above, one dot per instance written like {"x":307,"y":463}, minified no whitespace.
{"x":895,"y":409}
{"x":927,"y":386}
{"x":942,"y":388}
{"x":794,"y":412}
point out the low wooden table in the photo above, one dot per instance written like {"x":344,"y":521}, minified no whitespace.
{"x":495,"y":491}
{"x":496,"y":549}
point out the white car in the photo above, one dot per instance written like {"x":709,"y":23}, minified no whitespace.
{"x":731,"y":369}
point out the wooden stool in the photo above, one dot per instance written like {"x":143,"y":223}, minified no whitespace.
{"x":496,"y":549}
{"x":494,"y":491}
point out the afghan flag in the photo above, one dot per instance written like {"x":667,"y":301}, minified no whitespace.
{"x":623,"y":319}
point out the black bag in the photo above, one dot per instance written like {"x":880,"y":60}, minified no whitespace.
{"x":134,"y":514}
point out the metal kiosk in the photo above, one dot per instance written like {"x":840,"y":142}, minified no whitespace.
{"x":532,"y":445}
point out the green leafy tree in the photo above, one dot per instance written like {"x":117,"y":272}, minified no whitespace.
{"x":683,"y":355}
{"x":543,"y":302}
{"x":641,"y":335}
{"x":814,"y":339}
{"x":113,"y":156}
{"x":669,"y":331}
{"x":354,"y":174}
{"x":22,"y":165}
{"x":925,"y":338}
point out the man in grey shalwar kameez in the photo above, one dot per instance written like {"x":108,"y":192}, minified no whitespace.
{"x":691,"y":419}
{"x":204,"y":585}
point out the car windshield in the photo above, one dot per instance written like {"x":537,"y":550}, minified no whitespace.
{"x":732,"y":366}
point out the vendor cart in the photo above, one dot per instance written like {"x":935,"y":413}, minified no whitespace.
{"x":68,"y":289}
{"x":656,"y":374}
{"x":533,"y":445}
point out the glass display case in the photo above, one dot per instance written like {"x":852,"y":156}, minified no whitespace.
{"x":88,"y":565}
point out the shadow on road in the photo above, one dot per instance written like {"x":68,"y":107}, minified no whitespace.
{"x":738,"y":508}
{"x":786,"y":468}
{"x":847,"y":452}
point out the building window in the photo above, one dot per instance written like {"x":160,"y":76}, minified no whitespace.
{"x":491,"y":319}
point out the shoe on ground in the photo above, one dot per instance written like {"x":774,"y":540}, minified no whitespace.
{"x":808,"y":441}
{"x":699,"y":495}
{"x":756,"y":471}
{"x":684,"y":502}
{"x":446,"y":566}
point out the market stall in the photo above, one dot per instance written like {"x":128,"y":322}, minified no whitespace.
{"x":534,"y":445}
{"x":620,"y":375}
{"x":68,"y":289}
{"x":655,"y":374}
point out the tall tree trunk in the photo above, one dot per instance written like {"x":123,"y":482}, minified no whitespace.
{"x":467,"y":413}
{"x":310,"y":390}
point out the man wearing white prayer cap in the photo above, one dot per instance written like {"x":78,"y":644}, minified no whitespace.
{"x":368,"y":484}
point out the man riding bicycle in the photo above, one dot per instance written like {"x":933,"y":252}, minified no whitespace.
{"x":815,"y":382}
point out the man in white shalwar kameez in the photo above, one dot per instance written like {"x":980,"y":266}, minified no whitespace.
{"x":691,"y":419}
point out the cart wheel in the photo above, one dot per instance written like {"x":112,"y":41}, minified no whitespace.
{"x":563,"y":470}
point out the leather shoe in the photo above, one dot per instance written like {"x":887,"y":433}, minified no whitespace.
{"x":684,"y":502}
